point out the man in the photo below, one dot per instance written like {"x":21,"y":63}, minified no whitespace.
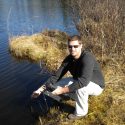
{"x":87,"y":77}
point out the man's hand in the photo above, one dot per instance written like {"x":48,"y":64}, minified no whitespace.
{"x":60,"y":90}
{"x":36,"y":93}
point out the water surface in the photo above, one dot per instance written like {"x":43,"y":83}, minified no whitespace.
{"x":19,"y":78}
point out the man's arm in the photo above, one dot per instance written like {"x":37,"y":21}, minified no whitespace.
{"x":53,"y":79}
{"x":36,"y":93}
{"x":59,"y":73}
{"x":61,"y":90}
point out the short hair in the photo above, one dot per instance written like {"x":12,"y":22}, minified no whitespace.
{"x":74,"y":37}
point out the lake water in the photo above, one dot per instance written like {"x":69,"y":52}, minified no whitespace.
{"x":19,"y":78}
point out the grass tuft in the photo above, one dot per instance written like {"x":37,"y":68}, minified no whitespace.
{"x":47,"y":47}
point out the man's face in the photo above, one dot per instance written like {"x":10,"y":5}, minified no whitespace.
{"x":75,"y":48}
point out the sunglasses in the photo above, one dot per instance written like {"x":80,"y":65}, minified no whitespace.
{"x":73,"y":46}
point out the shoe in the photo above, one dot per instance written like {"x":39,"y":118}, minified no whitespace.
{"x":74,"y":117}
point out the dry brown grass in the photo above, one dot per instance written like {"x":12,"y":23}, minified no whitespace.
{"x":101,"y":24}
{"x":106,"y":109}
{"x":47,"y":46}
{"x":102,"y":27}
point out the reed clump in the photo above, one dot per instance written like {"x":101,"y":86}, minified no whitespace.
{"x":47,"y":46}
